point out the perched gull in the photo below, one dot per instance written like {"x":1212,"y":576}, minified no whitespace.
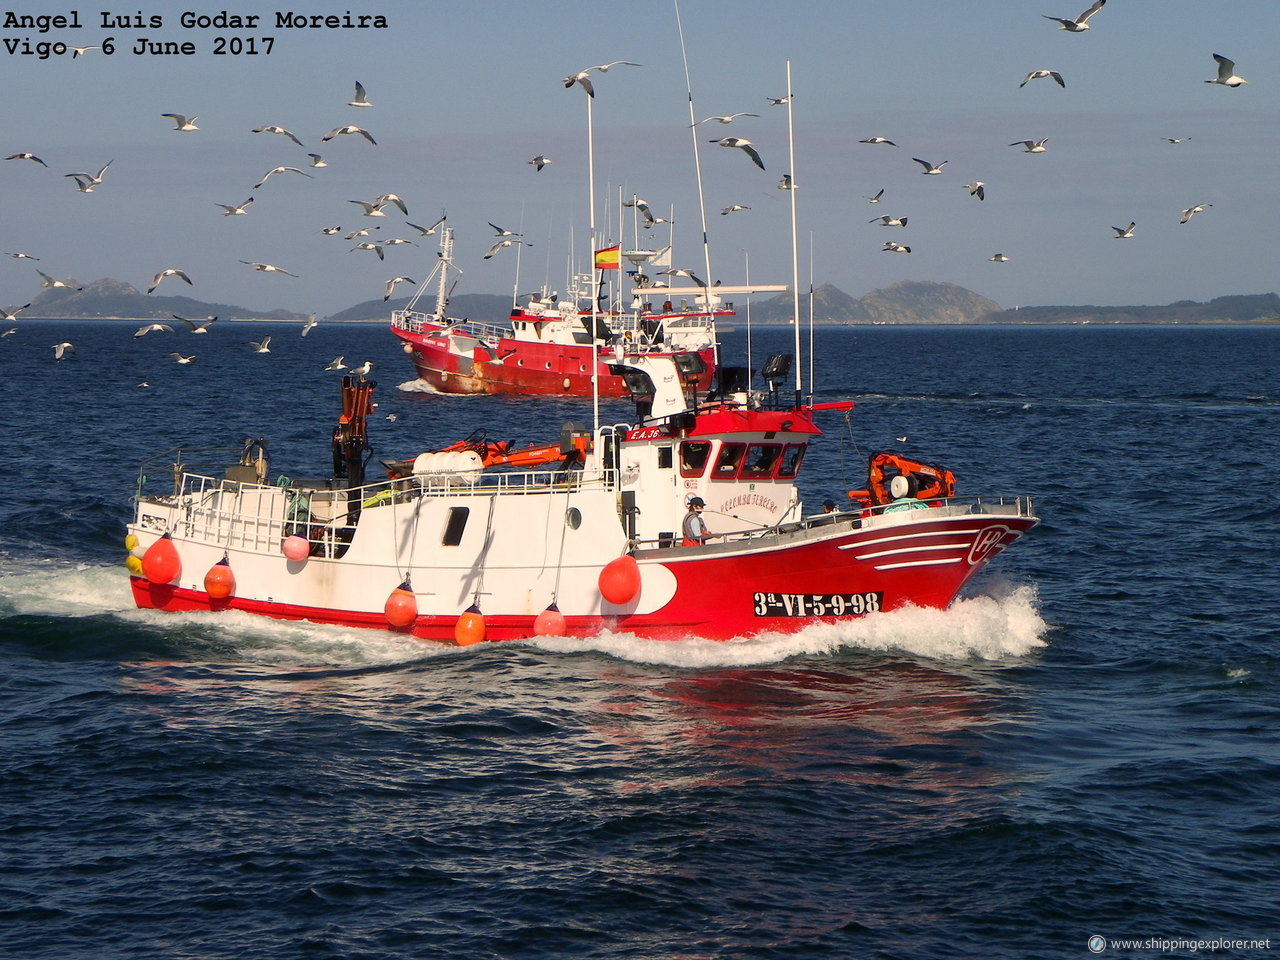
{"x":746,"y":146}
{"x":336,"y":364}
{"x":272,"y":128}
{"x":1040,"y":74}
{"x":362,"y":371}
{"x":977,"y":189}
{"x":26,"y":156}
{"x":997,"y":258}
{"x":259,"y":346}
{"x":892,"y":247}
{"x":733,"y":209}
{"x":1081,"y":23}
{"x":349,"y":128}
{"x":179,"y":358}
{"x":505,"y":242}
{"x":231,"y":210}
{"x":1031,"y":146}
{"x":1226,"y":73}
{"x":152,"y":328}
{"x":181,"y":122}
{"x":60,"y":350}
{"x":274,"y":170}
{"x":317,"y":160}
{"x":929,"y":168}
{"x":1192,"y":211}
{"x":887,"y":143}
{"x":361,"y":100}
{"x":726,"y":119}
{"x":876,"y":198}
{"x":268,"y":268}
{"x":1124,"y":233}
{"x":311,"y":322}
{"x":426,"y":231}
{"x":391,"y":285}
{"x":370,"y":246}
{"x":168,"y":272}
{"x":539,"y":162}
{"x":12,"y":314}
{"x":50,"y":283}
{"x":201,"y":326}
{"x":888,"y":221}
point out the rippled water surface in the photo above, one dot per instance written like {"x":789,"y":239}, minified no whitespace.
{"x":1084,"y":744}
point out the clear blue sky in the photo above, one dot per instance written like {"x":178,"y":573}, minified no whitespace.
{"x":465,"y":94}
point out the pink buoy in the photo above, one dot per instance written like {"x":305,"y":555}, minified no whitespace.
{"x":549,"y":623}
{"x":401,"y":608}
{"x":470,"y":627}
{"x":220,"y":582}
{"x":619,"y":581}
{"x":296,"y":548}
{"x":161,"y":563}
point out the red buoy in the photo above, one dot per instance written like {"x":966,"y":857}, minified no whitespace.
{"x":161,"y":563}
{"x":620,"y":580}
{"x":549,"y":623}
{"x":401,"y":608}
{"x":470,"y":627}
{"x":220,"y":582}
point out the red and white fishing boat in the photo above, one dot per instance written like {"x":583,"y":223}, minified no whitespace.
{"x":478,"y":542}
{"x":555,"y":345}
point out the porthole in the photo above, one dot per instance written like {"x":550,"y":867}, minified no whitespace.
{"x":573,"y":518}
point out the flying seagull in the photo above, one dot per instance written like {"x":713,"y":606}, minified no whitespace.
{"x":426,"y":231}
{"x":1226,"y":73}
{"x":887,"y":143}
{"x":152,"y":328}
{"x":746,"y":146}
{"x":12,"y":314}
{"x":391,"y":285}
{"x":786,"y":183}
{"x":311,"y":322}
{"x":336,"y":364}
{"x":370,"y":246}
{"x":1192,"y":211}
{"x":1179,"y":139}
{"x":201,"y":326}
{"x":330,"y":231}
{"x":272,"y":128}
{"x":876,"y":198}
{"x":317,"y":160}
{"x":778,"y":101}
{"x":361,"y":100}
{"x":60,"y":350}
{"x":977,"y":189}
{"x":1031,"y":146}
{"x":21,"y":256}
{"x":929,"y":168}
{"x":26,"y":156}
{"x":1041,"y":74}
{"x":539,"y":162}
{"x":501,"y":232}
{"x":179,"y":358}
{"x":641,"y":207}
{"x":91,"y":179}
{"x":50,"y":283}
{"x":604,"y":67}
{"x":505,"y":242}
{"x":182,"y":123}
{"x":349,"y":128}
{"x":168,"y":272}
{"x":275,"y":170}
{"x":683,"y":272}
{"x":1080,"y":23}
{"x":726,"y":119}
{"x":892,"y":247}
{"x":231,"y":210}
{"x":733,"y":209}
{"x":998,"y":258}
{"x":1124,"y":233}
{"x":888,"y":221}
{"x":259,"y":346}
{"x":268,"y":268}
{"x":583,"y":78}
{"x":81,"y":51}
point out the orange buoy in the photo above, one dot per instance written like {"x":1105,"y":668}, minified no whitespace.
{"x":470,"y":627}
{"x":161,"y":563}
{"x":296,"y":548}
{"x":220,"y":582}
{"x":401,"y":608}
{"x":620,"y":580}
{"x":549,"y":623}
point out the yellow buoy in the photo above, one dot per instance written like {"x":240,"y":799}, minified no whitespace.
{"x":133,"y":565}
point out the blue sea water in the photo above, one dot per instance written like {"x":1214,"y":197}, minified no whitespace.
{"x":1084,"y":745}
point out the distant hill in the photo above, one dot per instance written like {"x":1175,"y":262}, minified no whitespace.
{"x":114,"y":298}
{"x":1235,"y":309}
{"x":485,"y":307}
{"x":911,"y":301}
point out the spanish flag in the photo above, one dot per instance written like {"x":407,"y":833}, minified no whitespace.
{"x":607,"y":259}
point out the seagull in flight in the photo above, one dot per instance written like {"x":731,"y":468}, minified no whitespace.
{"x":231,"y":210}
{"x":977,"y":189}
{"x":370,"y":246}
{"x":726,"y":119}
{"x":505,"y":242}
{"x":888,"y":221}
{"x":391,"y":285}
{"x":349,"y":128}
{"x":1192,"y":211}
{"x":683,"y":272}
{"x":274,"y":170}
{"x":168,"y":272}
{"x":1226,"y":73}
{"x":361,"y":100}
{"x":268,"y":268}
{"x":12,"y":314}
{"x":604,"y":67}
{"x":152,"y":327}
{"x":26,"y":156}
{"x":998,"y":258}
{"x":1041,"y":74}
{"x":317,"y":160}
{"x":499,"y":231}
{"x":272,"y":128}
{"x":426,"y":231}
{"x":260,"y":346}
{"x":201,"y":326}
{"x":1031,"y":146}
{"x":733,"y":209}
{"x":929,"y":168}
{"x":81,"y":51}
{"x":892,"y":247}
{"x":182,"y":123}
{"x":1081,"y":23}
{"x":336,"y":364}
{"x":50,"y":283}
{"x":179,"y":358}
{"x":311,"y":322}
{"x":60,"y":350}
{"x":21,"y":256}
{"x":583,"y":76}
{"x":887,"y":143}
{"x":1124,"y":233}
{"x":876,"y":198}
{"x":641,"y":207}
{"x":746,"y":146}
{"x":539,"y":162}
{"x":778,"y":101}
{"x":91,"y":179}
{"x":1178,"y":139}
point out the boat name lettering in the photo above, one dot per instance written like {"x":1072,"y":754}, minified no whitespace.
{"x":646,"y":433}
{"x":817,"y":604}
{"x":751,"y":500}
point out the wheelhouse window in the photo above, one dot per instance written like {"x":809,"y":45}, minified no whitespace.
{"x":761,"y":460}
{"x":730,"y":459}
{"x":693,"y":457}
{"x":792,"y":457}
{"x":456,"y":524}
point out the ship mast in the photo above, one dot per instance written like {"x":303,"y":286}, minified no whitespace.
{"x":795,"y":255}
